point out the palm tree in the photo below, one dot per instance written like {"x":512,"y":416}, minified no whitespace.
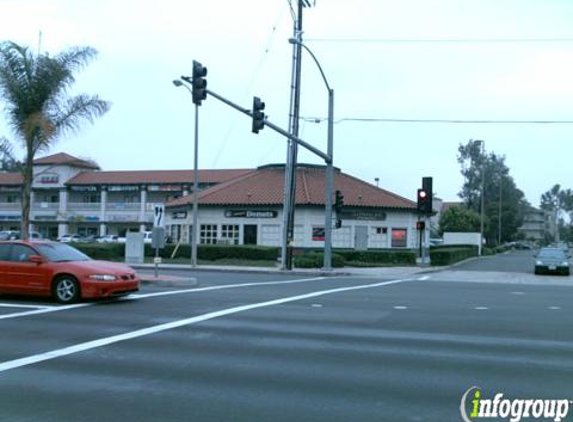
{"x":39,"y":108}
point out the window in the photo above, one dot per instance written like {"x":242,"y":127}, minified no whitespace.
{"x":4,"y":252}
{"x":381,"y":230}
{"x":21,"y":253}
{"x":208,"y":234}
{"x":230,"y":232}
{"x":91,"y":198}
{"x":399,"y":238}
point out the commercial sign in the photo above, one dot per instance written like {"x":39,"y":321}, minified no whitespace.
{"x":251,"y":214}
{"x":123,"y":188}
{"x":363,"y":215}
{"x":163,"y":188}
{"x":179,"y":215}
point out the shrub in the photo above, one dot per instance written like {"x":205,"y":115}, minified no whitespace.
{"x":450,"y":255}
{"x":316,"y":260}
{"x":381,"y":257}
{"x":103,"y":251}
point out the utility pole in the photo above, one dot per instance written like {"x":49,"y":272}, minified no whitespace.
{"x":292,"y":151}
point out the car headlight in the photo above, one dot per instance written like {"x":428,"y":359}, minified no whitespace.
{"x":538,"y":263}
{"x":103,"y":277}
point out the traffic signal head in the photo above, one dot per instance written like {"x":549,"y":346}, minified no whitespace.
{"x":258,"y":115}
{"x":199,"y":82}
{"x":420,"y":225}
{"x":424,"y":202}
{"x":338,"y":201}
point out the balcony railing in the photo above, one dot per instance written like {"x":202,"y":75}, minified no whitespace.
{"x":84,"y":206}
{"x":10,"y":206}
{"x":123,"y":206}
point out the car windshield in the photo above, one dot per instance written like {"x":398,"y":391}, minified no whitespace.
{"x":59,"y":252}
{"x":551,"y":253}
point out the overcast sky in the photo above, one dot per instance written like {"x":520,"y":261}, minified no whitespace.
{"x":410,"y":59}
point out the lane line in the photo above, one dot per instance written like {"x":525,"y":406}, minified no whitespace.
{"x":12,"y":305}
{"x":148,"y":295}
{"x":30,"y":360}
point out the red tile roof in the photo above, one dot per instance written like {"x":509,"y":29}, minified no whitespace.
{"x":63,"y":158}
{"x":11,"y":178}
{"x":265,"y":186}
{"x":154,"y":176}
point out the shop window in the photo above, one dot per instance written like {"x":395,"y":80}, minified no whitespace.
{"x":208,"y":234}
{"x":230,"y":233}
{"x":399,"y":238}
{"x":381,"y":230}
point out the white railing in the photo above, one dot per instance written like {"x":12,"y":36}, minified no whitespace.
{"x":10,"y":206}
{"x":84,"y":206}
{"x":123,"y":206}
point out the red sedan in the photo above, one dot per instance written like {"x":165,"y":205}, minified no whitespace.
{"x":61,"y":271}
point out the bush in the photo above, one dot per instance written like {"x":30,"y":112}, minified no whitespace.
{"x":380,"y":257}
{"x":316,"y":260}
{"x":103,"y":251}
{"x":450,"y":255}
{"x":215,"y":252}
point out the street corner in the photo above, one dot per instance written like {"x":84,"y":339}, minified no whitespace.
{"x":168,"y":280}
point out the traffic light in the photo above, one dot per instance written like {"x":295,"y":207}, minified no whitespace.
{"x":338,"y":201}
{"x":424,"y":202}
{"x":258,"y":115}
{"x":420,"y":225}
{"x":338,"y":223}
{"x":199,"y":82}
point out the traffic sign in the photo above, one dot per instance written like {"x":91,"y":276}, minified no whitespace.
{"x":158,"y":215}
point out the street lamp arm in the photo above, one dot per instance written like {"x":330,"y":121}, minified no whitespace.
{"x":295,"y":41}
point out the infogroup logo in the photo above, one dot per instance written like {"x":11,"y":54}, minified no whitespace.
{"x":513,"y":410}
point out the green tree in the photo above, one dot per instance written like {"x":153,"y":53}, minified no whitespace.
{"x":39,"y":107}
{"x":459,"y":219}
{"x":490,"y":173}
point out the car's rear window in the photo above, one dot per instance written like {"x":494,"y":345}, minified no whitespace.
{"x":59,"y":252}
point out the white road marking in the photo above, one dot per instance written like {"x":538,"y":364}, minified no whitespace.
{"x":30,"y":360}
{"x":44,"y":310}
{"x":555,"y":308}
{"x":481,"y":308}
{"x":22,"y":306}
{"x":518,"y":293}
{"x":400,"y":307}
{"x":316,"y":305}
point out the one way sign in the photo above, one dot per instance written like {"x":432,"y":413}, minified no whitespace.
{"x":158,"y":215}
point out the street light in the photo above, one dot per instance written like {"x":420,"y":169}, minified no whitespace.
{"x":482,"y":194}
{"x":179,"y":83}
{"x":329,"y":179}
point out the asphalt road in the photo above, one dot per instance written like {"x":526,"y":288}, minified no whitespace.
{"x":254,"y":347}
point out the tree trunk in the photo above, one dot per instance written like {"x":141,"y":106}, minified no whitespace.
{"x":28,"y":176}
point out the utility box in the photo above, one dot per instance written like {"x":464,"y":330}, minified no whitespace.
{"x":158,"y":238}
{"x":134,"y":251}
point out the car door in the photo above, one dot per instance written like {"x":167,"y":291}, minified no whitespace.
{"x":26,"y":276}
{"x":5,"y":267}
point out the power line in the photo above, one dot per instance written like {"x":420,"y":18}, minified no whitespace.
{"x":442,"y":40}
{"x":443,"y":121}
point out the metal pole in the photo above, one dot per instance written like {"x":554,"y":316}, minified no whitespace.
{"x":290,"y":168}
{"x":328,"y":186}
{"x":195,"y":191}
{"x":482,"y":198}
{"x":499,"y":222}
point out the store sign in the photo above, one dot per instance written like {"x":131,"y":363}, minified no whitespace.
{"x":251,"y":214}
{"x":363,"y":215}
{"x":318,"y":233}
{"x":179,"y":215}
{"x":83,"y":188}
{"x":48,"y":178}
{"x":163,"y":188}
{"x":10,"y":189}
{"x":123,"y":188}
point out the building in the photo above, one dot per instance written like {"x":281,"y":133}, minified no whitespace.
{"x":249,"y":210}
{"x":537,"y":225}
{"x":73,"y":196}
{"x":236,"y":206}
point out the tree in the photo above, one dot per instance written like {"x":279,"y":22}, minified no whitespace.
{"x":459,"y":219}
{"x":557,"y":201}
{"x":38,"y":106}
{"x":498,"y":188}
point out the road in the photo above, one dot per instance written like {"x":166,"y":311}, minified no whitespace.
{"x":263,"y":347}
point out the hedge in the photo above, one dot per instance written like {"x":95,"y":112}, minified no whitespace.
{"x":452,"y":254}
{"x":382,"y":256}
{"x":316,"y":260}
{"x":116,"y":251}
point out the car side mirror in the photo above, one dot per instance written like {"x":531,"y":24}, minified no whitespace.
{"x":36,"y":259}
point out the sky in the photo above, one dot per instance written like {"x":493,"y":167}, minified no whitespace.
{"x":387,"y":61}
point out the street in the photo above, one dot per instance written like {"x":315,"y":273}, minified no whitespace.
{"x":275,"y":347}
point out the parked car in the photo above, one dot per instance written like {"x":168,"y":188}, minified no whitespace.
{"x":68,"y":238}
{"x":108,"y":238}
{"x":552,"y":261}
{"x":15,"y":234}
{"x":45,"y":268}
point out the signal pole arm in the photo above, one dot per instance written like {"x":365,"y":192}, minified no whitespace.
{"x":327,"y":159}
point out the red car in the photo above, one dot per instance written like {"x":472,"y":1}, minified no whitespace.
{"x":61,"y":271}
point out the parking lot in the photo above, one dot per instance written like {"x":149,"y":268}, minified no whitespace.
{"x":247,"y":347}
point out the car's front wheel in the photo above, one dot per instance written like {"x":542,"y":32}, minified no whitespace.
{"x":66,"y":289}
